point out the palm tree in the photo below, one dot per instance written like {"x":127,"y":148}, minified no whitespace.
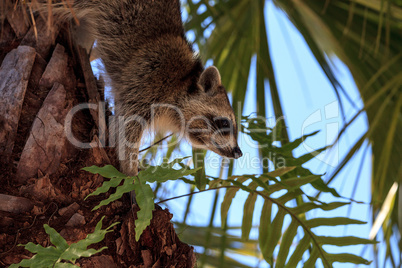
{"x":233,"y":34}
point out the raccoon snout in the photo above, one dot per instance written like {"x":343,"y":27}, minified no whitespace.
{"x":237,"y":152}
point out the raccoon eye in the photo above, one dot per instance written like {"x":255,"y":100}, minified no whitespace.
{"x":222,"y":124}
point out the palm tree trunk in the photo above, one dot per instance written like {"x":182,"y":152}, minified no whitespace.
{"x":43,"y":76}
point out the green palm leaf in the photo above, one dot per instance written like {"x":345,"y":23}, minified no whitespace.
{"x":364,"y":34}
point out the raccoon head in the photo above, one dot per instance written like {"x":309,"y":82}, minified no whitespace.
{"x":211,"y":123}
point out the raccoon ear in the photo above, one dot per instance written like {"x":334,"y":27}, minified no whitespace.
{"x":210,"y":79}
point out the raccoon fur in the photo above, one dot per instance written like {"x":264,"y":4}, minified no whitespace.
{"x":157,"y":79}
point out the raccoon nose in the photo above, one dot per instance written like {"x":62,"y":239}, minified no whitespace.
{"x":237,"y":152}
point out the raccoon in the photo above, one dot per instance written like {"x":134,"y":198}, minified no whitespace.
{"x":157,"y":79}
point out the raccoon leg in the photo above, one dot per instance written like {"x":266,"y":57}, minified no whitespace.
{"x":130,"y":129}
{"x":129,"y":138}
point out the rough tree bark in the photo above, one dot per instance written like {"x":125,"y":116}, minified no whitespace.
{"x":44,"y":74}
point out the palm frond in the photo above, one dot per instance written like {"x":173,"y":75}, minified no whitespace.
{"x":364,"y":34}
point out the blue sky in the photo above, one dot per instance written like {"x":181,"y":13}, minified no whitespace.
{"x":306,"y":91}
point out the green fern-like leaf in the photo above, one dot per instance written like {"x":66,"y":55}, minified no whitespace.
{"x":280,"y":188}
{"x":271,"y":234}
{"x":161,"y":173}
{"x":139,"y":184}
{"x":266,"y":136}
{"x":143,"y":192}
{"x":53,"y":256}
